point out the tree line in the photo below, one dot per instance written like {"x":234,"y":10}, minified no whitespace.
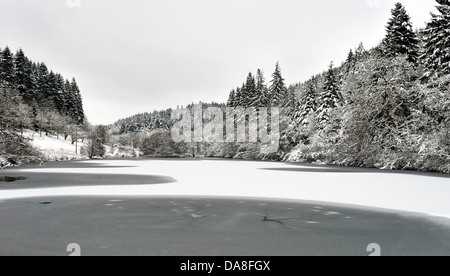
{"x":34,"y":97}
{"x":386,"y":107}
{"x":33,"y":85}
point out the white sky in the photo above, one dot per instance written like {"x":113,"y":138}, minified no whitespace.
{"x":139,"y":55}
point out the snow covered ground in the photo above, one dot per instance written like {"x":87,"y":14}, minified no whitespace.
{"x":421,"y":193}
{"x":54,"y":148}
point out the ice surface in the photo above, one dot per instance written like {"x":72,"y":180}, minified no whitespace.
{"x":406,"y":192}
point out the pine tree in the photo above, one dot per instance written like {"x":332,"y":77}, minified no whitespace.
{"x":290,"y":101}
{"x":7,"y":68}
{"x":42,"y":83}
{"x":51,"y":92}
{"x":350,"y":63}
{"x":250,"y":92}
{"x":437,"y":41}
{"x":309,"y":105}
{"x":68,"y":99}
{"x":238,"y":97}
{"x":244,"y":96}
{"x":400,"y":38}
{"x":277,"y":90}
{"x":360,"y":53}
{"x":60,"y":94}
{"x":231,"y":98}
{"x":35,"y":110}
{"x":23,"y":76}
{"x":34,"y":78}
{"x":71,"y":101}
{"x":261,"y":89}
{"x":78,"y":115}
{"x":331,"y":97}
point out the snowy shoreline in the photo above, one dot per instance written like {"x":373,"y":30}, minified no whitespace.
{"x":423,"y":193}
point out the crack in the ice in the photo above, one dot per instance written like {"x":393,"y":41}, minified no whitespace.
{"x":280,"y":221}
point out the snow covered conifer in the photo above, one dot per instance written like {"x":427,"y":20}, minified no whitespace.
{"x":290,"y":101}
{"x":400,"y":38}
{"x":231,"y":98}
{"x":261,"y":89}
{"x":7,"y":68}
{"x":78,"y":103}
{"x":69,"y":101}
{"x":51,"y":91}
{"x":331,"y":97}
{"x":361,"y":53}
{"x":60,"y":97}
{"x":277,"y":90}
{"x":349,"y":64}
{"x":250,"y":92}
{"x":243,"y":99}
{"x":309,"y":105}
{"x":437,"y":41}
{"x":42,"y":83}
{"x":23,"y":76}
{"x":238,"y":97}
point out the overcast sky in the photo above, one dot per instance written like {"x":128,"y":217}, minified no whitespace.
{"x":132,"y":56}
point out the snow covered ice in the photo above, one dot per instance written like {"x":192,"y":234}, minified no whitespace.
{"x":411,"y":192}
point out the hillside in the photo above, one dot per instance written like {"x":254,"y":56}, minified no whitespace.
{"x":36,"y":98}
{"x":55,"y":148}
{"x":385,"y":107}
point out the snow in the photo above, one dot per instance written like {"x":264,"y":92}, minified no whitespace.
{"x":195,"y":216}
{"x":56,"y":148}
{"x":4,"y":163}
{"x":53,"y":148}
{"x":429,"y":194}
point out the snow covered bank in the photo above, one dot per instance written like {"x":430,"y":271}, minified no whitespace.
{"x":4,"y":163}
{"x":54,"y":148}
{"x":421,"y":193}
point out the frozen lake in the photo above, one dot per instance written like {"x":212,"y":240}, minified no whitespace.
{"x":425,"y":193}
{"x":221,"y":207}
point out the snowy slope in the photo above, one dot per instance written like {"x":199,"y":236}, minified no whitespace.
{"x":56,"y":148}
{"x":53,"y":148}
{"x":429,"y":194}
